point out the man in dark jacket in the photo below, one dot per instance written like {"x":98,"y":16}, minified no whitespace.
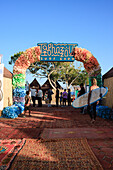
{"x":69,"y":97}
{"x":57,"y":96}
{"x":81,"y":92}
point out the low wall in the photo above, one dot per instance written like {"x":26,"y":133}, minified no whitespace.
{"x":108,"y":99}
{"x":7,"y":92}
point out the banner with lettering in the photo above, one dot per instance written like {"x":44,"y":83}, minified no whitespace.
{"x":56,"y":51}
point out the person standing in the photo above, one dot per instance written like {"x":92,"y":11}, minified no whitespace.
{"x":39,"y":95}
{"x":57,"y":96}
{"x":64,"y":97}
{"x":69,"y":97}
{"x":81,"y":92}
{"x":61,"y":98}
{"x":50,"y":97}
{"x":27,"y":103}
{"x":46,"y":97}
{"x":92,"y":113}
{"x":36,"y":98}
{"x":33,"y":95}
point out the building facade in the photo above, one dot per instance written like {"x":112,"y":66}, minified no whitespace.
{"x":107,"y":79}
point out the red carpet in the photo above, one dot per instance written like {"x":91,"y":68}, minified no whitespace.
{"x":8,"y":150}
{"x":89,"y":133}
{"x":63,"y":154}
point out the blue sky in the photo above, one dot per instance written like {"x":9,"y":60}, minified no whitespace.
{"x":24,"y":23}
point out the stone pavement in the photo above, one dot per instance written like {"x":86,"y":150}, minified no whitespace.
{"x":63,"y":122}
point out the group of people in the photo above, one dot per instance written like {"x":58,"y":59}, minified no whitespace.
{"x":63,"y":96}
{"x":36,"y":94}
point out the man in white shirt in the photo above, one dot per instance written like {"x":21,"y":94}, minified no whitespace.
{"x":33,"y":95}
{"x":39,"y":97}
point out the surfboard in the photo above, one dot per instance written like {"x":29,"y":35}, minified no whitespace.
{"x":82,"y":101}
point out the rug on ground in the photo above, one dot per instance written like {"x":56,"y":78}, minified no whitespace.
{"x":57,"y":154}
{"x":8,"y":150}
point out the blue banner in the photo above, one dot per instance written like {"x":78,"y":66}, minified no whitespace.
{"x":56,"y":51}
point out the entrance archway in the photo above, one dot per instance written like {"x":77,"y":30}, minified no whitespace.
{"x":32,"y":55}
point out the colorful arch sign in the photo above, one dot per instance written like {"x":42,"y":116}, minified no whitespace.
{"x":50,"y":52}
{"x":56,"y":51}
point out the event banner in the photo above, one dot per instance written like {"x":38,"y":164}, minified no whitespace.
{"x":56,"y":51}
{"x":1,"y":85}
